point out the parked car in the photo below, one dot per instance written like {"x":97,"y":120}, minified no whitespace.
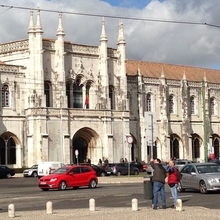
{"x":31,"y":172}
{"x":138,"y":165}
{"x":149,"y":168}
{"x":69,"y":176}
{"x":180,"y":163}
{"x":201,"y":176}
{"x":99,"y":171}
{"x":6,"y":172}
{"x":121,"y":169}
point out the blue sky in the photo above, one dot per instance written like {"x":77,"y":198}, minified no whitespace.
{"x":147,"y":40}
{"x":140,"y":4}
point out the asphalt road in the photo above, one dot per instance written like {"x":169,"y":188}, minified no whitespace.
{"x":25,"y":195}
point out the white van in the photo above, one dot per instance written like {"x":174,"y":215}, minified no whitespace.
{"x":45,"y":168}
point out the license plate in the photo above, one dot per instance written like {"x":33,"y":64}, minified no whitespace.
{"x":42,"y":183}
{"x":108,"y":172}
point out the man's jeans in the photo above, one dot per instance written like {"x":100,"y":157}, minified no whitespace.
{"x":158,"y":186}
{"x":174,"y":194}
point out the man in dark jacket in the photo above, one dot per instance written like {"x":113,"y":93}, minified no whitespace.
{"x":159,"y":176}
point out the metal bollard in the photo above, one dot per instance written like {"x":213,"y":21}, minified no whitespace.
{"x":134,"y":204}
{"x":11,"y":211}
{"x":92,"y":205}
{"x":179,"y":206}
{"x":49,"y":207}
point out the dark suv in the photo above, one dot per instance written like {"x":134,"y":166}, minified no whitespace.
{"x":120,"y":169}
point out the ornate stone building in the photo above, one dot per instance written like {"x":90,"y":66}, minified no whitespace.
{"x":58,"y":97}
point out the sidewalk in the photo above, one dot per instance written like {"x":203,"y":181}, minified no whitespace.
{"x":195,"y":213}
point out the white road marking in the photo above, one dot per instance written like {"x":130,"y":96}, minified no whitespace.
{"x":182,"y":196}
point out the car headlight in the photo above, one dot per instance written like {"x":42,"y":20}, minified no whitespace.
{"x":213,"y":180}
{"x":54,"y":179}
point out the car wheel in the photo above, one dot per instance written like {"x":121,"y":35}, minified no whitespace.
{"x":202,"y":187}
{"x":92,"y":184}
{"x":180,"y":187}
{"x":118,"y":173}
{"x":34,"y":174}
{"x":136,"y":172}
{"x":45,"y":189}
{"x":62,"y":185}
{"x":8,"y":175}
{"x":103,"y":174}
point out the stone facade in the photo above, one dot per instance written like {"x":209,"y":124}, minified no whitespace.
{"x":58,"y":97}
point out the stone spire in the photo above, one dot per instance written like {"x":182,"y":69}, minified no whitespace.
{"x":162,"y":73}
{"x":184,"y":74}
{"x":38,"y":24}
{"x":139,"y":71}
{"x":31,"y":28}
{"x":204,"y":77}
{"x":103,"y":36}
{"x":60,"y":30}
{"x":121,"y":38}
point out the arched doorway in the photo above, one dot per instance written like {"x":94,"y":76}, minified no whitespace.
{"x":174,"y":147}
{"x":216,"y":146}
{"x":195,"y":147}
{"x":81,"y":145}
{"x":88,"y":144}
{"x":7,"y":148}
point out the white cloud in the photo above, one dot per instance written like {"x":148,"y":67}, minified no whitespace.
{"x":194,"y":45}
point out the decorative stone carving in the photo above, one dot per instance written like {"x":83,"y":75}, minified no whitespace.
{"x":9,"y":69}
{"x":14,"y":46}
{"x":153,"y":81}
{"x":174,"y":83}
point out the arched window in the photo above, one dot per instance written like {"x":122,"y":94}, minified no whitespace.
{"x":192,"y":105}
{"x":111,"y":96}
{"x":11,"y":151}
{"x":5,"y":96}
{"x":216,"y":147}
{"x":2,"y":151}
{"x":171,"y":104}
{"x":195,"y":148}
{"x":68,"y":95}
{"x":87,"y":97}
{"x":77,"y":96}
{"x":174,"y":147}
{"x":148,"y":103}
{"x":7,"y":150}
{"x":212,"y":106}
{"x":47,"y":93}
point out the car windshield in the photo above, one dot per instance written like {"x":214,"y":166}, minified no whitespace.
{"x":61,"y":170}
{"x":208,"y":168}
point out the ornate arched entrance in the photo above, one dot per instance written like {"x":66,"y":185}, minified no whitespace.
{"x":8,"y":142}
{"x":196,"y":144}
{"x":215,"y":144}
{"x":88,"y":144}
{"x":174,"y":146}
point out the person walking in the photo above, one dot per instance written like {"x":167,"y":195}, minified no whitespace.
{"x":173,"y":181}
{"x":158,"y":179}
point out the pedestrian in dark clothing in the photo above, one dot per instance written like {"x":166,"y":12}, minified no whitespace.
{"x":158,"y":179}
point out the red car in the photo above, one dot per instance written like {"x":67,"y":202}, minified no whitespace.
{"x":145,"y":167}
{"x":69,"y":176}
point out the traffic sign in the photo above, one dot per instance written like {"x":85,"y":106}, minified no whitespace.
{"x":130,"y":139}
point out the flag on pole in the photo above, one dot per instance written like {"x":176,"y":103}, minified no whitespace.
{"x":87,"y":99}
